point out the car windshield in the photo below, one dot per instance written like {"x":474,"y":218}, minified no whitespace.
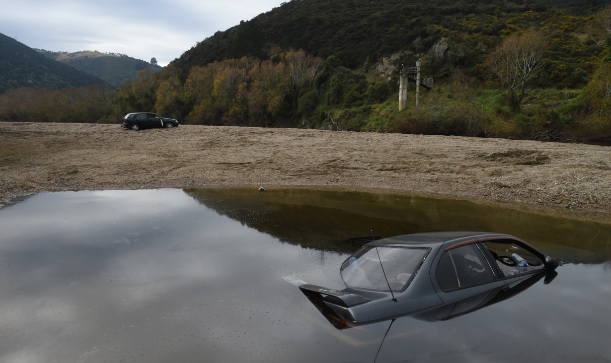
{"x":377,"y":268}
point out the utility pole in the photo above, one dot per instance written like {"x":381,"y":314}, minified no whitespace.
{"x":402,"y":88}
{"x":417,"y":82}
{"x":407,"y":75}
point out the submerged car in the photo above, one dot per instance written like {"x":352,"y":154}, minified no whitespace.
{"x":432,"y":276}
{"x":145,"y":120}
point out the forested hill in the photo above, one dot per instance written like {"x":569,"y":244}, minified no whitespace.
{"x":335,"y":64}
{"x":22,"y":66}
{"x":111,"y":67}
{"x":355,"y":31}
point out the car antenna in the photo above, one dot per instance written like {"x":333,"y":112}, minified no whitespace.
{"x":383,"y":339}
{"x":385,"y":278}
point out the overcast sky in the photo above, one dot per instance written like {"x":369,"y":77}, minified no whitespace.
{"x":141,"y":29}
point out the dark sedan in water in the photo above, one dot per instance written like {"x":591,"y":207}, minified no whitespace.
{"x":145,"y":120}
{"x":433,"y":276}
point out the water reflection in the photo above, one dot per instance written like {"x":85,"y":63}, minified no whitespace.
{"x":327,"y":219}
{"x":164,"y":275}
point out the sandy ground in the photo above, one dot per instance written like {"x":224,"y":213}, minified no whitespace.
{"x":568,"y":179}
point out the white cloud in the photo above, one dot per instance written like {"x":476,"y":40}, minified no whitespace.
{"x":141,"y":29}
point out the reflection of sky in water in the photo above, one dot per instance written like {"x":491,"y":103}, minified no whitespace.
{"x":156,"y":276}
{"x":568,"y":320}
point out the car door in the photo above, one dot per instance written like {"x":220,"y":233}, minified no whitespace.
{"x":147,"y":120}
{"x":141,"y":120}
{"x":464,"y":274}
{"x":154,"y":120}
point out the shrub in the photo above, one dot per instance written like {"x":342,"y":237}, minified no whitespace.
{"x":501,"y":126}
{"x":308,"y":102}
{"x":378,"y":92}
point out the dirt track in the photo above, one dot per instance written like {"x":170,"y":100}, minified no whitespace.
{"x":561,"y":178}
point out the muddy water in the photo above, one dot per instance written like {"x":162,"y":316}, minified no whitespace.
{"x":204,"y":275}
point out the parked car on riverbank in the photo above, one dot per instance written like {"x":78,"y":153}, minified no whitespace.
{"x":433,"y":276}
{"x":145,"y":120}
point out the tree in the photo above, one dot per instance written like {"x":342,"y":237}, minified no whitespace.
{"x":301,"y":68}
{"x":169,"y":97}
{"x":516,"y":61}
{"x":603,"y":18}
{"x":593,"y":106}
{"x":266,"y":93}
{"x":139,"y":94}
{"x":200,"y":103}
{"x":154,"y":61}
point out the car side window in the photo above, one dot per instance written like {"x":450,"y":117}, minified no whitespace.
{"x":141,"y":116}
{"x":463,"y":267}
{"x":513,"y":258}
{"x":445,"y":274}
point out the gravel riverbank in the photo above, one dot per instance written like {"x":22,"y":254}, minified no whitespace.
{"x":569,"y":179}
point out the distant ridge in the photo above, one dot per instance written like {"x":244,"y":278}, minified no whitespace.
{"x":22,"y":66}
{"x":114,"y":68}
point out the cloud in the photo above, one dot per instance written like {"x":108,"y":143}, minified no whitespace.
{"x":141,"y":29}
{"x":190,"y":282}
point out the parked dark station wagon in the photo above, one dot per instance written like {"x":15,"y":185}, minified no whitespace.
{"x":145,"y":120}
{"x":435,"y":275}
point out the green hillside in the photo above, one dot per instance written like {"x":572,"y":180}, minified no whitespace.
{"x":361,"y":32}
{"x":335,"y":64}
{"x":536,"y":69}
{"x":21,"y":66}
{"x":111,"y":67}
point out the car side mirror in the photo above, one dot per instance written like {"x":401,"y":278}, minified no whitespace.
{"x":551,"y":263}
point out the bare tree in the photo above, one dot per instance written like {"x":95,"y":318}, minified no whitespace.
{"x":516,"y":61}
{"x":603,"y":18}
{"x":301,"y":69}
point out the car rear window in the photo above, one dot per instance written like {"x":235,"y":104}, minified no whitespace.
{"x":377,"y":268}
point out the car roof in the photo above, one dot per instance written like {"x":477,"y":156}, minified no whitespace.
{"x":432,"y":239}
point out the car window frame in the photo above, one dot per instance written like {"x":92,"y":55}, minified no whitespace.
{"x":154,"y":118}
{"x":487,"y":263}
{"x":520,"y":244}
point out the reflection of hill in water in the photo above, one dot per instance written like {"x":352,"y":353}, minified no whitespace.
{"x":323,"y":219}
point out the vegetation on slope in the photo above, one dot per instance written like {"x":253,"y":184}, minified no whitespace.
{"x":315,"y":63}
{"x":357,"y":32}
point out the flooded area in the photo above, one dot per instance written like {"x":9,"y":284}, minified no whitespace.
{"x":210,"y":275}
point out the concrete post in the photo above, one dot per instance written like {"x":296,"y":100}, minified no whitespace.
{"x":417,"y":82}
{"x":402,"y":92}
{"x":403,"y":89}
